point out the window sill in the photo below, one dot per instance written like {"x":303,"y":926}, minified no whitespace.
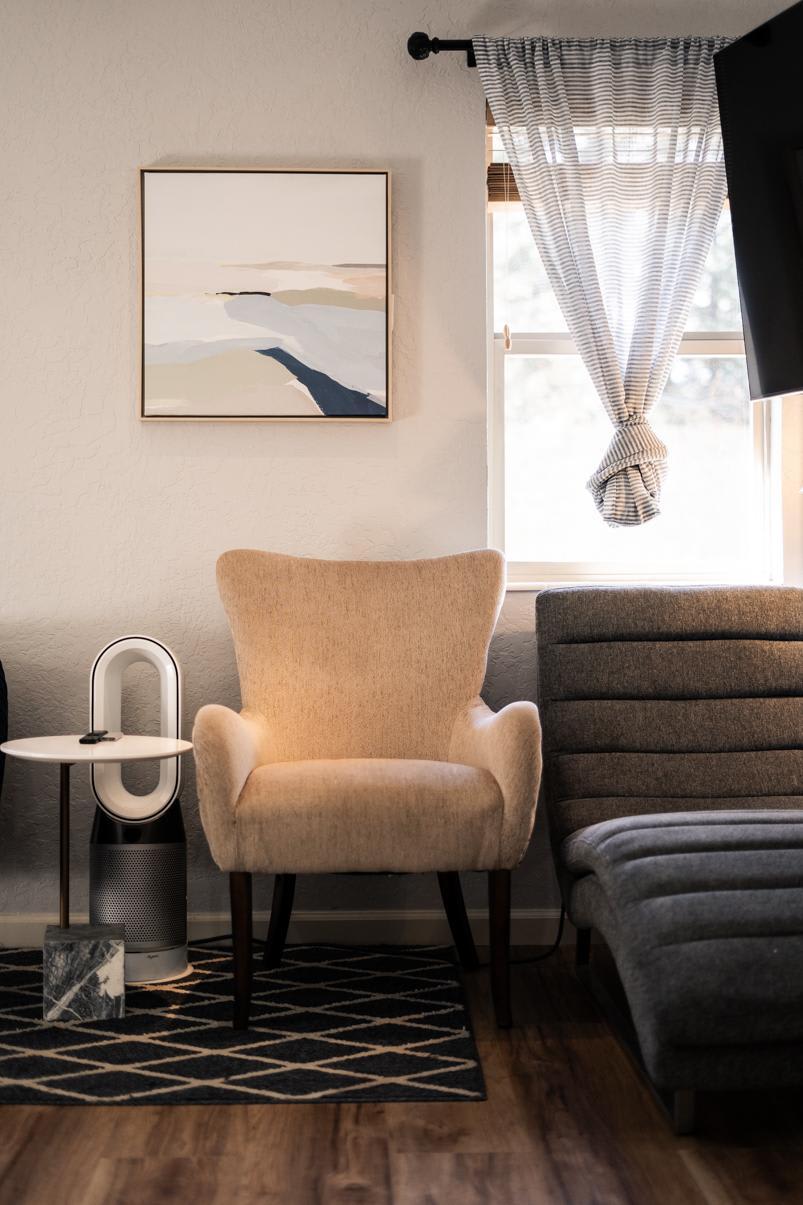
{"x":528,"y":578}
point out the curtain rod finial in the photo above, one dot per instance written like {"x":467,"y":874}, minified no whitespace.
{"x":419,"y":46}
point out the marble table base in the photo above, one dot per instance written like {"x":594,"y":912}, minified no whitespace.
{"x":84,"y":969}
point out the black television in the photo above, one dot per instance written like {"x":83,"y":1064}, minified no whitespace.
{"x":760,"y":89}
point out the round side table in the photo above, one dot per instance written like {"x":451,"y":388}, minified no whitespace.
{"x":67,"y":751}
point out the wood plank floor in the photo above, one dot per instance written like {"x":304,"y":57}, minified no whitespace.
{"x":567,"y":1120}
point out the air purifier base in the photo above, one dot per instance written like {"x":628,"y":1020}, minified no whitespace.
{"x":138,"y":879}
{"x":156,"y":966}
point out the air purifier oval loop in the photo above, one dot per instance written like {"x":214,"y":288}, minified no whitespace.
{"x":105,"y":710}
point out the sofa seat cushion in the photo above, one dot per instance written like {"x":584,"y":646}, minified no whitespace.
{"x":704,"y":914}
{"x":372,"y":814}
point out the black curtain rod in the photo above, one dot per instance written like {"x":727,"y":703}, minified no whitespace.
{"x":420,"y":46}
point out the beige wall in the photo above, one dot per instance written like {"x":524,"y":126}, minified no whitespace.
{"x":111,"y":526}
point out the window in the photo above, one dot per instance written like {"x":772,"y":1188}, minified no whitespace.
{"x":548,"y":432}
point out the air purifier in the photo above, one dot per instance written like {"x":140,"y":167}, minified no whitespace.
{"x":138,"y":849}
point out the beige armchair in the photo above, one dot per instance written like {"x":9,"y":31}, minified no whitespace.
{"x":363,"y":744}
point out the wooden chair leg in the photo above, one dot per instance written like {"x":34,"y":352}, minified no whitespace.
{"x":241,"y":928}
{"x":455,"y":908}
{"x":284,"y":886}
{"x":499,"y":920}
{"x":582,"y":951}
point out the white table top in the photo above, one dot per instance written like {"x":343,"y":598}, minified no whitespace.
{"x":68,"y":750}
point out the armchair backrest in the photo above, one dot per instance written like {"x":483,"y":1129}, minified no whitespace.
{"x":360,"y":658}
{"x":669,"y":699}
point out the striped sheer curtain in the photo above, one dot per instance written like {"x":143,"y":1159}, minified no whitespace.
{"x":616,"y":149}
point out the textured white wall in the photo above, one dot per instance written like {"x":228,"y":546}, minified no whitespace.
{"x":111,"y":526}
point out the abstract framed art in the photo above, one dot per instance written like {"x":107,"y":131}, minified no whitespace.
{"x":265,"y":294}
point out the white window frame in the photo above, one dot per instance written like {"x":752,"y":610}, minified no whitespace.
{"x":766,"y":418}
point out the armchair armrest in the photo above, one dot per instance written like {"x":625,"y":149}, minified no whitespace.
{"x":507,"y":743}
{"x":227,"y":745}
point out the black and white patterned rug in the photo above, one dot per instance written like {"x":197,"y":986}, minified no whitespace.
{"x":330,"y":1024}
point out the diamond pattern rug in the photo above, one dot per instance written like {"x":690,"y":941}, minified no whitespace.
{"x":330,"y":1024}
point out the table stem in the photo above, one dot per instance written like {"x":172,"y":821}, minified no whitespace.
{"x":64,"y":845}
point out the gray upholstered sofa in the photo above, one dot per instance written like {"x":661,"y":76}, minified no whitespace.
{"x":673,"y":776}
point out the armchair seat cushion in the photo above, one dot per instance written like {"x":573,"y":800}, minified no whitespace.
{"x":367,"y":814}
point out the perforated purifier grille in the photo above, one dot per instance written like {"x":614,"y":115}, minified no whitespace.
{"x":143,"y":887}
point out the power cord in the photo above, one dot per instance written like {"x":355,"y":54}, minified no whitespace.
{"x":211,"y":941}
{"x":514,"y":962}
{"x":521,"y":962}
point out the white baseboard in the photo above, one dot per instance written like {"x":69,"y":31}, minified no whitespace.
{"x":423,"y":926}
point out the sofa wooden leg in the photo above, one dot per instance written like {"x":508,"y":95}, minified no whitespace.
{"x":284,"y":886}
{"x":582,"y":951}
{"x":241,"y":927}
{"x":499,"y":920}
{"x":455,"y":908}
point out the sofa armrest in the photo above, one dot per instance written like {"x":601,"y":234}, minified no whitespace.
{"x":507,"y":743}
{"x":227,"y":745}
